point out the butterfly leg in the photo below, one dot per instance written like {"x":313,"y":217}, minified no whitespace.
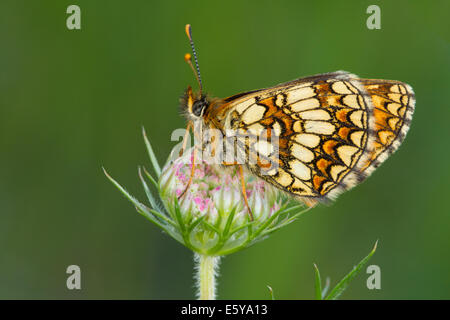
{"x":244,"y":193}
{"x":194,"y":153}
{"x":241,"y":179}
{"x":185,"y":138}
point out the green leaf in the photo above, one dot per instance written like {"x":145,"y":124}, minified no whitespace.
{"x":265,"y":225}
{"x":230,"y":220}
{"x":150,"y":177}
{"x":343,"y":284}
{"x":162,"y":216}
{"x":318,"y":283}
{"x":242,"y":226}
{"x":195,"y":223}
{"x":294,"y":208}
{"x":326,"y":288}
{"x":151,"y":154}
{"x":179,"y":217}
{"x":142,"y":209}
{"x":167,"y":228}
{"x":149,"y":194}
{"x":212,"y":228}
{"x":286,"y":220}
{"x":271,"y":292}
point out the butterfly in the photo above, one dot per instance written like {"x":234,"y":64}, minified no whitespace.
{"x":333,"y":130}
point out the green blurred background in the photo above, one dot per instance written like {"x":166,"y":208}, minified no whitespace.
{"x":73,"y":101}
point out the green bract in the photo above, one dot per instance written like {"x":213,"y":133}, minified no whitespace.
{"x":210,"y":218}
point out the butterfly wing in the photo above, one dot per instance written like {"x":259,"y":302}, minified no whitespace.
{"x":393,"y":106}
{"x":329,"y":136}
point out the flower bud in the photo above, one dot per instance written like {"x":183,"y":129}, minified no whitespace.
{"x":214,"y":195}
{"x":205,"y":209}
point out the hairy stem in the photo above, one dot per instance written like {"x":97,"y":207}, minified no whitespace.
{"x":206,"y":276}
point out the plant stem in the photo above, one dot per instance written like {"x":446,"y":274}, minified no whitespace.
{"x":206,"y":276}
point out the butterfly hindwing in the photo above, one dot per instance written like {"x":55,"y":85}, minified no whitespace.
{"x":393,"y":105}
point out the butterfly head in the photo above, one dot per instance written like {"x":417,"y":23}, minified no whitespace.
{"x":194,"y":106}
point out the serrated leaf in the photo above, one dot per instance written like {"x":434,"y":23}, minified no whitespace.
{"x":343,"y":284}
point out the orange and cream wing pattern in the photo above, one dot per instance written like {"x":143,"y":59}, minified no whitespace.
{"x":332,"y":130}
{"x":393,"y":106}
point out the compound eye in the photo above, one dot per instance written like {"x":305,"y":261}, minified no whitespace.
{"x":197,"y":108}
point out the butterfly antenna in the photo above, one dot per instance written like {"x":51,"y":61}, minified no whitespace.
{"x":187,"y":58}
